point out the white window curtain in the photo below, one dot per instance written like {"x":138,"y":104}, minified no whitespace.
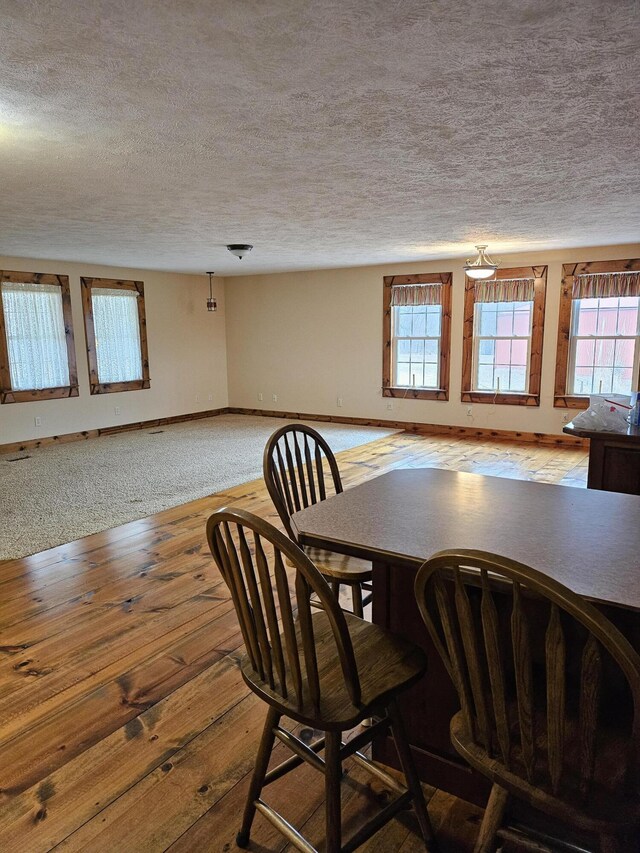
{"x":117,"y":332}
{"x":36,"y":338}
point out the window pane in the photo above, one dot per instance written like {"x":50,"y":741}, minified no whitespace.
{"x":625,"y":351}
{"x":403,"y":321}
{"x":488,"y":319}
{"x":622,"y":380}
{"x":433,"y":321}
{"x":417,"y":350}
{"x":485,"y":377}
{"x":502,"y":374}
{"x":419,"y":323}
{"x":36,"y":339}
{"x":522,"y":323}
{"x":402,"y":374}
{"x":431,"y":351}
{"x":628,"y":318}
{"x":587,"y":317}
{"x":503,"y":352}
{"x":505,"y":322}
{"x":486,"y":352}
{"x":404,"y":349}
{"x":585,"y":353}
{"x":518,"y":379}
{"x":431,"y":375}
{"x":602,"y":380}
{"x":117,"y":331}
{"x":519,"y":350}
{"x":604,"y":353}
{"x":607,"y":321}
{"x":583,"y":381}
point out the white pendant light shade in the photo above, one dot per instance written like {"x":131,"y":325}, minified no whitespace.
{"x":482,"y":266}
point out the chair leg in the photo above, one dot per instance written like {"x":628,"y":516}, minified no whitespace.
{"x":335,"y":589}
{"x":356,"y":593}
{"x":411,"y":774}
{"x":492,"y":820}
{"x":259,"y":772}
{"x":333,"y":774}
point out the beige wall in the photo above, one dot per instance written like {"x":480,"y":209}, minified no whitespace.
{"x":187,"y":356}
{"x":311,"y":337}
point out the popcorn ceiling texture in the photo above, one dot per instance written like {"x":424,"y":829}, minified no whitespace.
{"x":328,"y":133}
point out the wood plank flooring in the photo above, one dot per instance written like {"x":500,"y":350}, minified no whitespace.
{"x":124,"y":722}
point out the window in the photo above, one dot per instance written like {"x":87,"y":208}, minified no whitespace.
{"x":116,"y":335}
{"x":502,"y":345}
{"x":416,"y":336}
{"x":599,"y":331}
{"x":37,"y":352}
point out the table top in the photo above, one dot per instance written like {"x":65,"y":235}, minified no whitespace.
{"x":588,"y":540}
{"x":630,"y":435}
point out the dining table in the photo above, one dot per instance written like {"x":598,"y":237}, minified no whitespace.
{"x":587,"y":540}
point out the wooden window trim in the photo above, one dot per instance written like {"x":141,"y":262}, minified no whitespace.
{"x":388,"y":390}
{"x":532,"y":398}
{"x":7,"y":394}
{"x":96,"y":387}
{"x":562,"y":400}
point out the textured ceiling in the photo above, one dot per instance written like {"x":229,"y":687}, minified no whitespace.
{"x":328,"y":133}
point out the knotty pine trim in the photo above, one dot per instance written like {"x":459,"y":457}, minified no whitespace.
{"x":7,"y":394}
{"x":35,"y":443}
{"x":422,"y":429}
{"x":96,"y":387}
{"x":532,"y":396}
{"x":388,"y":390}
{"x":562,"y":400}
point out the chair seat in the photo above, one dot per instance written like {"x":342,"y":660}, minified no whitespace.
{"x":339,"y":566}
{"x":386,"y":664}
{"x":606,"y":807}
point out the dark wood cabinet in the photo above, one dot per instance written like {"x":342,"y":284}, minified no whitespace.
{"x":614,"y":459}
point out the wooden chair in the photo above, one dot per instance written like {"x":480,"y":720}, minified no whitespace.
{"x":296,"y":478}
{"x":325,"y":669}
{"x":549,"y":692}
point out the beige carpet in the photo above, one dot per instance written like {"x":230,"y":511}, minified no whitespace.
{"x":61,"y":493}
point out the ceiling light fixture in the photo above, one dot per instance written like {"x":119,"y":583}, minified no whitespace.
{"x":239,"y":249}
{"x":212,"y":305}
{"x":482,"y":266}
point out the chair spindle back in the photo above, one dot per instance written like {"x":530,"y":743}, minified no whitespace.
{"x":294,"y":471}
{"x":275,"y":619}
{"x":530,"y":661}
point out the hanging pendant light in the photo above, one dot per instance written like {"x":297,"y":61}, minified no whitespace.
{"x":482,"y":266}
{"x":212,"y":305}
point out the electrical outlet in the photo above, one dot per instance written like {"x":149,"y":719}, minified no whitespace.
{"x":339,"y":402}
{"x":210,"y":398}
{"x":389,"y":404}
{"x":566,"y":418}
{"x":274,"y":397}
{"x":116,"y":410}
{"x":197,"y":398}
{"x":260,"y":396}
{"x":37,"y":421}
{"x":469,"y":411}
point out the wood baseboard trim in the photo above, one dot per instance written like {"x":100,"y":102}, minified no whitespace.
{"x":34,"y":443}
{"x":424,"y":429}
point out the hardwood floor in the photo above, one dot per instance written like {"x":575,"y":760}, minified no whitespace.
{"x":124,"y":722}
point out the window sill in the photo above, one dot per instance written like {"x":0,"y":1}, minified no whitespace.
{"x":417,"y":393}
{"x":500,"y":399}
{"x":568,"y":401}
{"x":10,"y":396}
{"x":113,"y":387}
